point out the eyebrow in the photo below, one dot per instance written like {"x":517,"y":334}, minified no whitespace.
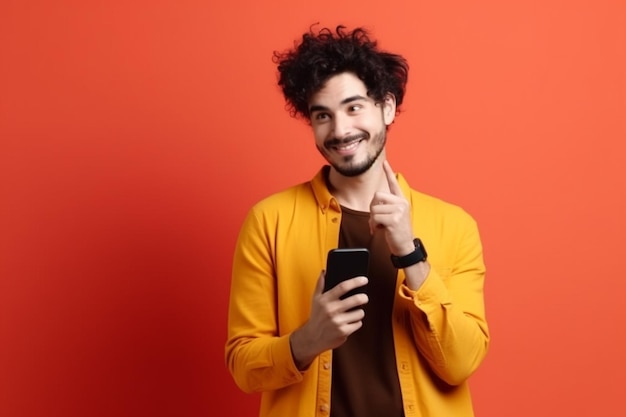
{"x":350,"y":99}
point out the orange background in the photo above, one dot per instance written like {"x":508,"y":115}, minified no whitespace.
{"x":136,"y":135}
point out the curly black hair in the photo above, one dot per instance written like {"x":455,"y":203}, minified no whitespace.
{"x":304,"y":69}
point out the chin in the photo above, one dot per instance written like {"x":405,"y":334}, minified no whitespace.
{"x":353,"y":170}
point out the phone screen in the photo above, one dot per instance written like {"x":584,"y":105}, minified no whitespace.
{"x":346,"y":263}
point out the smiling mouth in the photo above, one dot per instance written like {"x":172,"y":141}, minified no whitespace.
{"x":347,"y":147}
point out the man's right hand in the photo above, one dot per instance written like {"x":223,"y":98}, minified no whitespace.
{"x":331,"y":320}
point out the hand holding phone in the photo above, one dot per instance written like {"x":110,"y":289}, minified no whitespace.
{"x":343,"y":264}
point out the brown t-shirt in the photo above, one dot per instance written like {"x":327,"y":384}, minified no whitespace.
{"x":364,"y":374}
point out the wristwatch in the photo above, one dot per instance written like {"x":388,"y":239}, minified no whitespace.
{"x":418,"y":255}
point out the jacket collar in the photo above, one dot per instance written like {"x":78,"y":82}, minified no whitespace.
{"x":325,"y":199}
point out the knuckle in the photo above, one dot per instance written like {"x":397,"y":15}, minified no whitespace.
{"x":344,"y":286}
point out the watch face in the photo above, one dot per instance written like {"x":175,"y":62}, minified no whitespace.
{"x":420,"y":246}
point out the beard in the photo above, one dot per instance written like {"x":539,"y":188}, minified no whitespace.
{"x":349,"y":168}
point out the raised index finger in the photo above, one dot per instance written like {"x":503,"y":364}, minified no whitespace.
{"x":394,"y":187}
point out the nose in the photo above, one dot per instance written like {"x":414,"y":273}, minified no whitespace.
{"x":341,"y":126}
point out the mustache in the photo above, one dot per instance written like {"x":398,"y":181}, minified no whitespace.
{"x":338,"y":142}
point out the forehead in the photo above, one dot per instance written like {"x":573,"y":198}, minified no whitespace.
{"x":337,"y":88}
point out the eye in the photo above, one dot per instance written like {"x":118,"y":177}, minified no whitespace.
{"x":355,"y":107}
{"x":321,"y":116}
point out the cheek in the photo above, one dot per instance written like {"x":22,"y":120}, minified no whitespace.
{"x":373,"y":128}
{"x":373,"y":121}
{"x":320,"y":134}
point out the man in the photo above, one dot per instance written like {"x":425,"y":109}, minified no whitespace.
{"x":408,"y":345}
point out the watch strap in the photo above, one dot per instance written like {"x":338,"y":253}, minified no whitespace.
{"x":418,"y":255}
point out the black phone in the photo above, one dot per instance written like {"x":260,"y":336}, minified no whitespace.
{"x":345,"y":263}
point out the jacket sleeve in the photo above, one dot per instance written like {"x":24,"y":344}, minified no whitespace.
{"x":258,"y":358}
{"x":447,"y":313}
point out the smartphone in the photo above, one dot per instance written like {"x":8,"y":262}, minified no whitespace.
{"x":345,"y":263}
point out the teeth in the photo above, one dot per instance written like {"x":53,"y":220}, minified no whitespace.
{"x":348,"y":147}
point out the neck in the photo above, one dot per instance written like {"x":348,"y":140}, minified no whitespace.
{"x":356,"y":193}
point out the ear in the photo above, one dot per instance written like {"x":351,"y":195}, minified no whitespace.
{"x":389,"y":108}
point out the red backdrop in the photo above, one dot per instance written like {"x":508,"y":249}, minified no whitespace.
{"x":136,"y":135}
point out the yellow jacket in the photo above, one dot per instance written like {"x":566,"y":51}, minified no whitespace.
{"x":440,"y":332}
